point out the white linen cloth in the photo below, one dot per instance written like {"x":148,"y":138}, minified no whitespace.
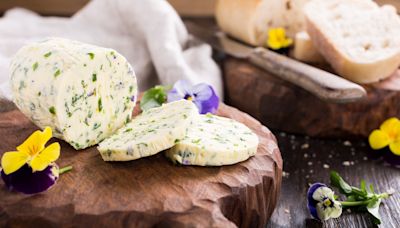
{"x":149,"y":33}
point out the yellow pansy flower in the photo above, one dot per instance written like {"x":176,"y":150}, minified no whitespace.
{"x":387,"y":135}
{"x":277,"y":39}
{"x":32,"y":152}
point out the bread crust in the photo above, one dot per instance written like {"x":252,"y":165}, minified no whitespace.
{"x":249,"y":20}
{"x":235,"y":17}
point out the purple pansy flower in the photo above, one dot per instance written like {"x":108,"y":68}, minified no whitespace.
{"x":321,"y":202}
{"x":202,"y":95}
{"x":26,"y":181}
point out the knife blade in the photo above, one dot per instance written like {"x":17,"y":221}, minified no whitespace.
{"x":326,"y":86}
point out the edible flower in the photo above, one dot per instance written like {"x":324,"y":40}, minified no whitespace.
{"x":321,"y":202}
{"x":277,"y":39}
{"x":31,"y":169}
{"x":202,"y":95}
{"x":387,"y":135}
{"x":32,"y":152}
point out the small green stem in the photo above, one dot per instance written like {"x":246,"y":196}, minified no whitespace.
{"x":65,"y":169}
{"x":364,"y":202}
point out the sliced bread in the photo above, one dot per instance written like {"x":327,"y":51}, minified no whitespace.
{"x":357,"y":37}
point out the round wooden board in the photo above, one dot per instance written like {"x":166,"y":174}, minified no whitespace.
{"x":149,"y":192}
{"x":285,"y":107}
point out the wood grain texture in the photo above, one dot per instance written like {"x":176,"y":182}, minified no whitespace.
{"x":150,"y":192}
{"x":285,"y":107}
{"x":309,"y":160}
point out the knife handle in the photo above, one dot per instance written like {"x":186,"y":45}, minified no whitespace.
{"x":326,"y":86}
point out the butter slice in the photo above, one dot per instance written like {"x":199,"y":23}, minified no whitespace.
{"x":151,"y":132}
{"x":215,"y":141}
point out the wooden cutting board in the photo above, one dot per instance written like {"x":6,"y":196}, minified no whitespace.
{"x":147,"y":192}
{"x":285,"y":107}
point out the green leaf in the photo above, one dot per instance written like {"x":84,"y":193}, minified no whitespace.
{"x":371,"y":188}
{"x":153,"y":98}
{"x":373,"y":209}
{"x":363,"y":185}
{"x":338,"y":182}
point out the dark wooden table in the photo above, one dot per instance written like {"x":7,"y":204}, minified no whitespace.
{"x":308,"y":160}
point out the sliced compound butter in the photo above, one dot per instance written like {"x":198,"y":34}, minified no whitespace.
{"x":83,"y":92}
{"x":151,"y":132}
{"x":214,"y":141}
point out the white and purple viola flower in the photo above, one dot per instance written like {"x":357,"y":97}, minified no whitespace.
{"x":321,"y":202}
{"x":202,"y":95}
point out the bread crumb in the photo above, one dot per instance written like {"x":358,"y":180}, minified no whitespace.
{"x":287,"y":211}
{"x":285,"y":174}
{"x":305,"y":146}
{"x":347,"y":143}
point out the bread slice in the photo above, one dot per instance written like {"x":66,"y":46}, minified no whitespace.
{"x":250,"y":20}
{"x":357,"y":37}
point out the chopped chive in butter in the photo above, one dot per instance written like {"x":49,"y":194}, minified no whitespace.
{"x":35,"y":66}
{"x":99,"y":105}
{"x":52,"y":110}
{"x":57,"y":73}
{"x":47,"y":54}
{"x":94,"y":77}
{"x":91,"y":55}
{"x":96,"y":125}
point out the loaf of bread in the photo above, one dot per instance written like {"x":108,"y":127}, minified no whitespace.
{"x":357,"y":37}
{"x":249,"y":20}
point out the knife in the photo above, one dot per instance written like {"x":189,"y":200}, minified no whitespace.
{"x":327,"y":86}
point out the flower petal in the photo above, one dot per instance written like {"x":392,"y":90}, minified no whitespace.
{"x":322,"y":193}
{"x":328,"y":212}
{"x":395,"y":147}
{"x":44,"y":158}
{"x":12,"y":161}
{"x":312,"y":203}
{"x":26,"y":181}
{"x":181,"y":89}
{"x":202,"y":91}
{"x":206,"y":99}
{"x":391,"y":126}
{"x":378,"y":139}
{"x":36,"y":142}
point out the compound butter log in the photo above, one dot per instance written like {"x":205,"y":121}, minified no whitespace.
{"x":149,"y":192}
{"x":285,"y":107}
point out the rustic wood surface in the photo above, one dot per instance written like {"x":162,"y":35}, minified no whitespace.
{"x":147,"y":192}
{"x":283,"y":106}
{"x":309,"y":160}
